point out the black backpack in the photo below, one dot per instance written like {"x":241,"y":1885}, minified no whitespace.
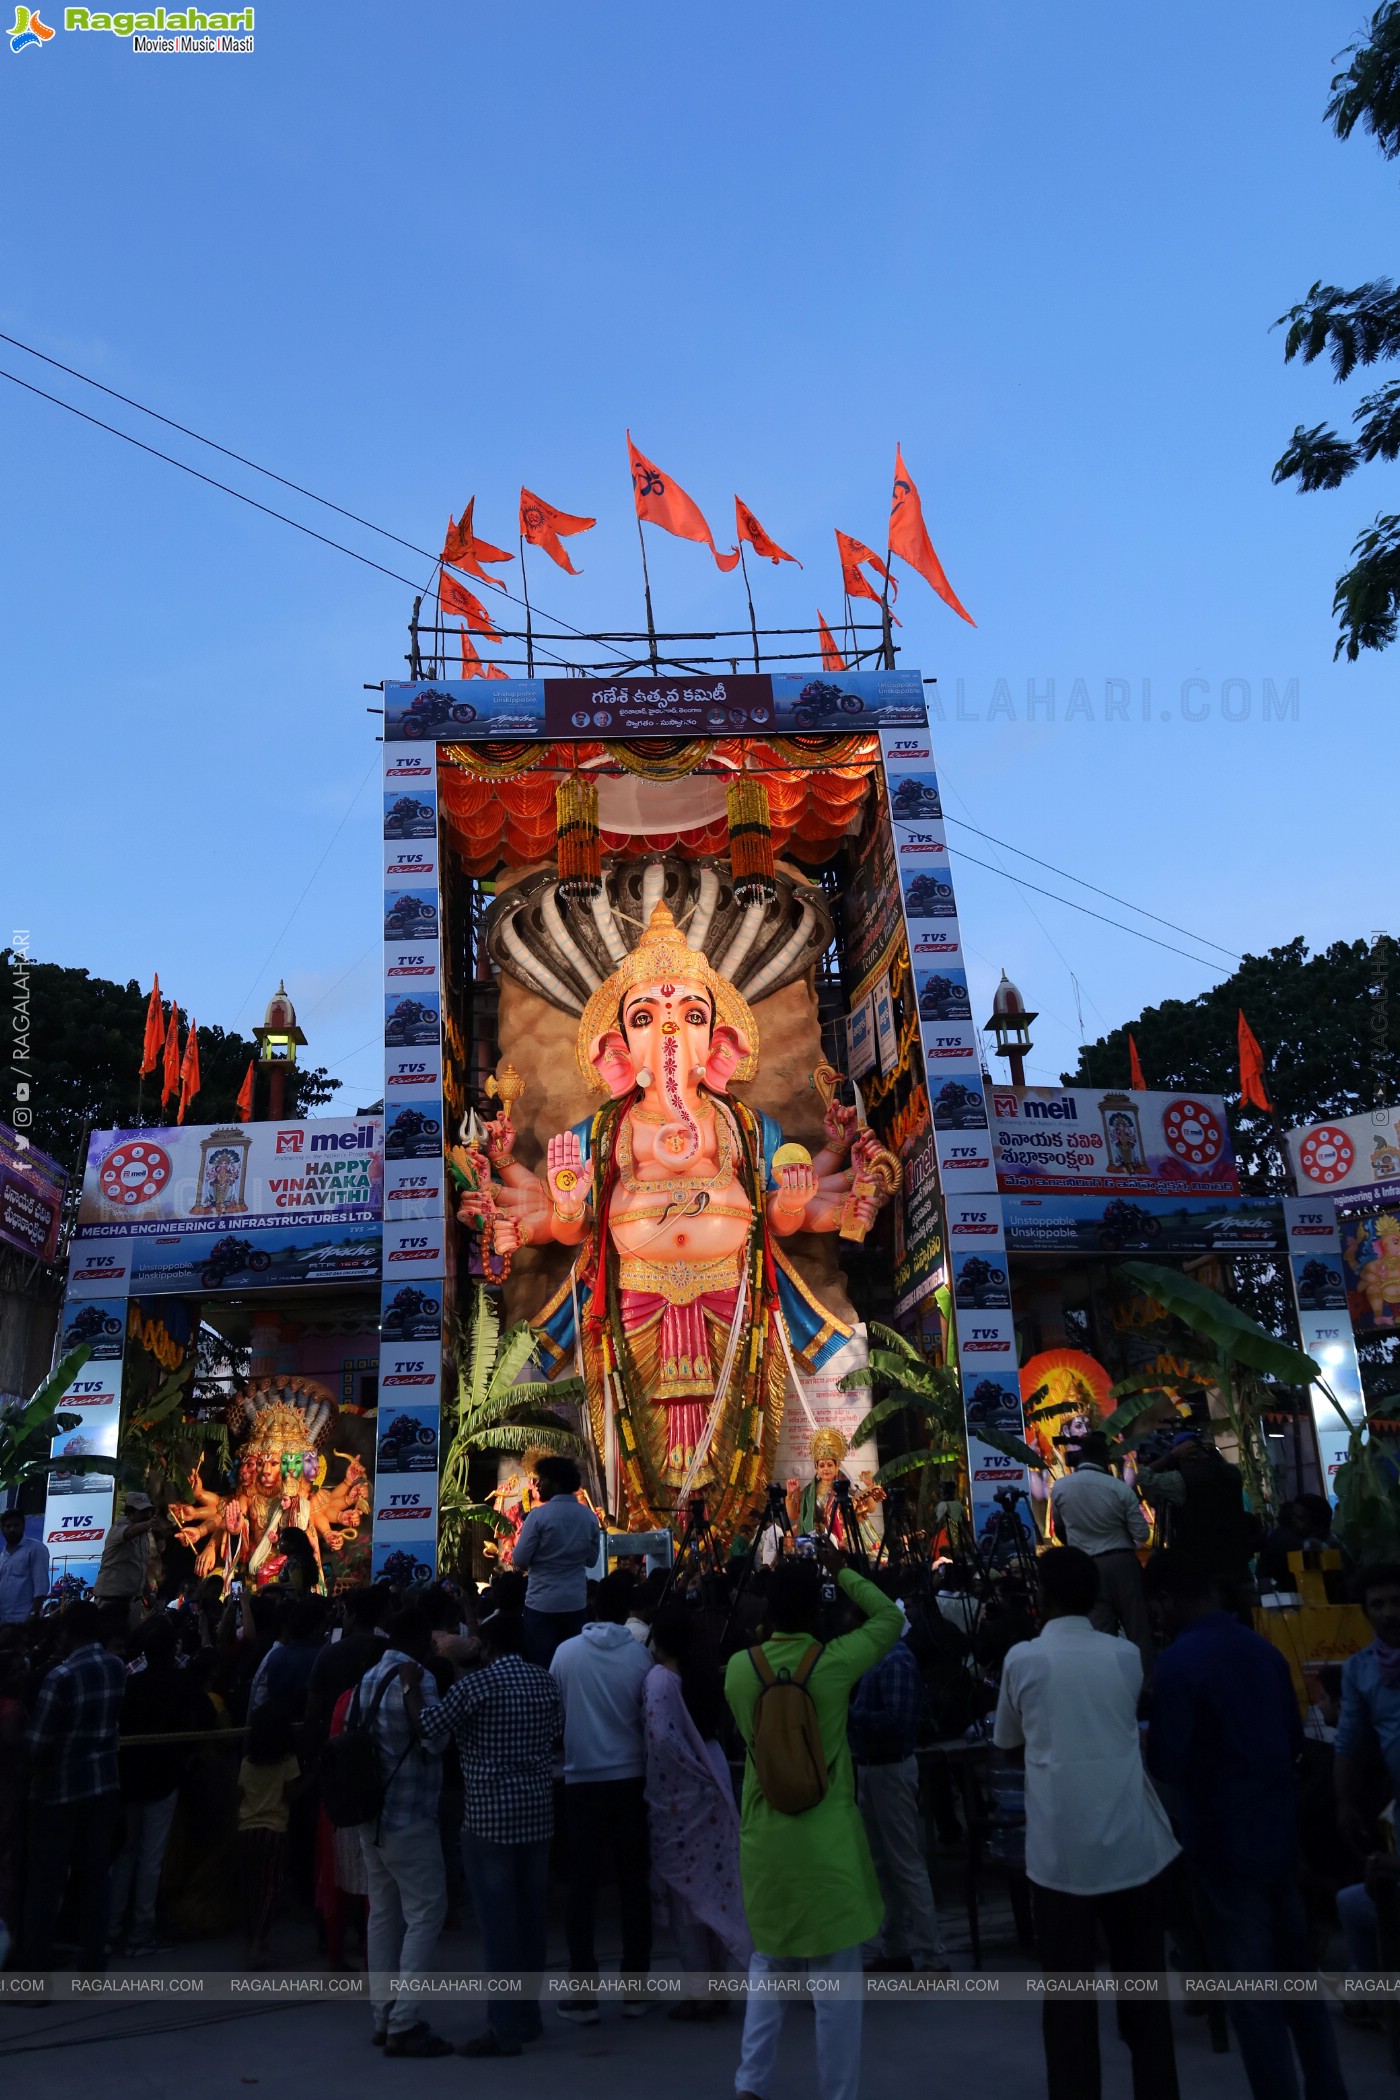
{"x":353,"y":1785}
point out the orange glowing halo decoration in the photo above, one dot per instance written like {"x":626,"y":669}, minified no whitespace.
{"x":1072,"y":1379}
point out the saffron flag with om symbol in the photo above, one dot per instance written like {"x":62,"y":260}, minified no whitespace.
{"x":748,"y":528}
{"x":455,"y":598}
{"x":910,"y":541}
{"x":854,"y":555}
{"x":660,"y":502}
{"x":542,"y":525}
{"x":463,"y":550}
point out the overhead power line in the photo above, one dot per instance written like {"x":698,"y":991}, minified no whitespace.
{"x":1074,"y":905}
{"x":1097,"y":888}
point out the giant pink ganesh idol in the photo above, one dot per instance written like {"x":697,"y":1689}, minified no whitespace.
{"x":678,"y":1197}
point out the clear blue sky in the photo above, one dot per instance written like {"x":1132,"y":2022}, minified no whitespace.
{"x":405,"y":253}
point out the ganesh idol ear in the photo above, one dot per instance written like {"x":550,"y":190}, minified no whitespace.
{"x":612,"y":1061}
{"x":728,"y":1050}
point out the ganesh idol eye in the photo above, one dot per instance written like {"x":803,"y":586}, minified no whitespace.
{"x":696,"y":1017}
{"x":640,"y":1017}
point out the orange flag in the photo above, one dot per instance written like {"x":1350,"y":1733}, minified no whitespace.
{"x":463,"y":550}
{"x":189,"y":1071}
{"x":471,"y":662}
{"x":748,"y":528}
{"x":495,"y":671}
{"x":542,"y":525}
{"x":854,"y":553}
{"x":170,"y":1075}
{"x":1135,"y":1077}
{"x":832,"y":659}
{"x":1251,"y":1068}
{"x":245,"y":1096}
{"x":910,"y":541}
{"x":455,"y":599}
{"x":661,"y":502}
{"x":155,"y":1030}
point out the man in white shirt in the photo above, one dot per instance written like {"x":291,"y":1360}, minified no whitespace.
{"x":24,"y":1571}
{"x":1098,"y":1841}
{"x":1091,"y":1509}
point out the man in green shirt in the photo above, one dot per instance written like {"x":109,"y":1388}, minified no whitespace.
{"x":810,"y":1888}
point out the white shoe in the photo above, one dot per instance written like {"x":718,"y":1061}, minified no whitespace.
{"x":580,"y":2012}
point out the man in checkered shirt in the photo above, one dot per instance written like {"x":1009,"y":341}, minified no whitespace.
{"x":74,"y":1797}
{"x":506,"y":1719}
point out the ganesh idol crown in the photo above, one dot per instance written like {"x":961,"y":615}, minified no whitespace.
{"x":681,"y":1309}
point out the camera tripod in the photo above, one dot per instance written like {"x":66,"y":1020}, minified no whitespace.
{"x":699,"y":1551}
{"x":774,"y":1524}
{"x":1005,"y":1534}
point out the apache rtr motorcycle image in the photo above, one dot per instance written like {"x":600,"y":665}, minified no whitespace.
{"x":1320,"y":1288}
{"x":230,"y":1257}
{"x":942,"y":1000}
{"x":409,"y":920}
{"x":916,"y":801}
{"x":411,"y":1022}
{"x":413,"y":1136}
{"x":409,"y":818}
{"x":981,"y":1287}
{"x":429,"y":711}
{"x":411,"y":1316}
{"x":90,"y":1325}
{"x":959,"y":1107}
{"x":404,"y":1571}
{"x":994,"y":1406}
{"x":928,"y":898}
{"x":407,"y":1446}
{"x":1127,"y":1224}
{"x":821,"y":705}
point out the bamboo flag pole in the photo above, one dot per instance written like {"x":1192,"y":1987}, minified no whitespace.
{"x":646,"y":580}
{"x":529,"y":630}
{"x":748,"y":593}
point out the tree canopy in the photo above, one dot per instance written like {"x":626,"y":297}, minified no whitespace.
{"x":85,"y":1041}
{"x":1359,"y":327}
{"x":1326,"y":1024}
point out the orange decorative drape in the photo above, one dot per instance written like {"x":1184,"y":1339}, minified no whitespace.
{"x":500,"y":808}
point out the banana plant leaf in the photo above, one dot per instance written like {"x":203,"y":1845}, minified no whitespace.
{"x":163,"y":1401}
{"x":477,"y":1513}
{"x":1053,"y":1412}
{"x":525,"y":1436}
{"x":893,"y":1339}
{"x":517,"y":1347}
{"x":896,"y":1404}
{"x":37,"y":1468}
{"x":1011,"y":1447}
{"x":1136,"y":1404}
{"x":481,"y":1348}
{"x":914,"y":1462}
{"x":1231,"y":1331}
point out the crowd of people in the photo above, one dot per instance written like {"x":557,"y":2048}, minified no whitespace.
{"x":741,"y":1753}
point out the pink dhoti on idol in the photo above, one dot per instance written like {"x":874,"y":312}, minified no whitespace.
{"x":682,"y":1331}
